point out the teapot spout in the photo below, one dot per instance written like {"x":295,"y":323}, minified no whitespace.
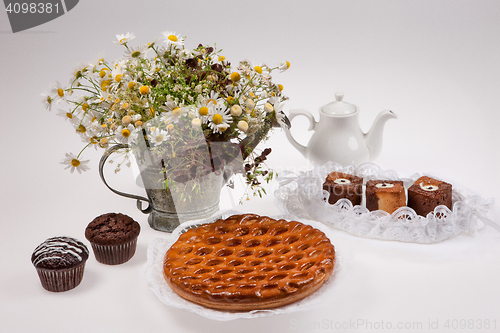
{"x":374,"y":137}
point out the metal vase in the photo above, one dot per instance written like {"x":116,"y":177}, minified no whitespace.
{"x":169,"y":205}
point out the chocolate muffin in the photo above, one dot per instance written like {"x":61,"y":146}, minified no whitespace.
{"x":60,"y":262}
{"x":113,"y":237}
{"x":386,"y":195}
{"x":427,"y":193}
{"x":343,"y":185}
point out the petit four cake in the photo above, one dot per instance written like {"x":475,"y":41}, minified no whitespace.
{"x":113,"y":237}
{"x":386,"y":195}
{"x":249,"y":262}
{"x":343,"y":185}
{"x":60,"y":262}
{"x":428,"y":193}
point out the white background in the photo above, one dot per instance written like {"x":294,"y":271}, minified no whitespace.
{"x":436,"y":64}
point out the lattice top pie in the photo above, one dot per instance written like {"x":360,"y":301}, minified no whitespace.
{"x":249,"y":262}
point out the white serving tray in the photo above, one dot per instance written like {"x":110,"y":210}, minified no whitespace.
{"x":302,"y":195}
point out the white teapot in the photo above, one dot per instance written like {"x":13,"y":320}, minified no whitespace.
{"x":337,"y":135}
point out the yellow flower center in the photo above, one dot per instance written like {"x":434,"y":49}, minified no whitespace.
{"x":125,"y":106}
{"x":102,"y":73}
{"x":230,"y":99}
{"x":75,"y":162}
{"x":138,"y":123}
{"x":118,"y":77}
{"x":170,"y":126}
{"x":235,"y":76}
{"x":49,"y":100}
{"x":125,"y":132}
{"x":69,"y":115}
{"x":105,"y":84}
{"x":144,"y":90}
{"x":60,"y":92}
{"x":217,"y":119}
{"x":131,"y":85}
{"x":85,"y":106}
{"x":287,"y":64}
{"x":203,"y":111}
{"x":81,"y":129}
{"x":104,"y":141}
{"x":135,"y":54}
{"x":222,"y":58}
{"x":172,"y":38}
{"x":177,"y":112}
{"x":258,"y":69}
{"x":280,"y":87}
{"x":158,"y":138}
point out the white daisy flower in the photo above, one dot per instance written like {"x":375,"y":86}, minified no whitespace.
{"x":169,"y":106}
{"x":137,"y":52}
{"x":73,"y":117}
{"x":202,"y":111}
{"x":47,"y":101}
{"x":102,"y":98}
{"x":219,"y":119}
{"x":74,"y":163}
{"x":172,"y":39}
{"x":157,"y":136}
{"x":118,"y":71}
{"x":124,"y":39}
{"x":174,"y":116}
{"x":126,"y":134}
{"x":283,"y":66}
{"x":212,"y":98}
{"x":80,"y":70}
{"x":58,"y":92}
{"x":92,"y":122}
{"x":153,"y":42}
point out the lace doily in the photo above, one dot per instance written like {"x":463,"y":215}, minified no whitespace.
{"x":153,"y":272}
{"x":303,"y":196}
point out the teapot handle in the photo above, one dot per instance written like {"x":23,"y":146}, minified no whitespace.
{"x":312,"y":124}
{"x":104,"y":157}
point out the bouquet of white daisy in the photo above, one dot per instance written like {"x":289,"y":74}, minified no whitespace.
{"x":161,"y":87}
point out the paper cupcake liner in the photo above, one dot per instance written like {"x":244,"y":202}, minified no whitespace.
{"x":114,"y":254}
{"x":61,"y":280}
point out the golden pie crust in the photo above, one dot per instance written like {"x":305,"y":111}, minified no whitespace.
{"x":249,"y":262}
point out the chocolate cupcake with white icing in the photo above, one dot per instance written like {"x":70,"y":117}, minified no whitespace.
{"x":60,"y":262}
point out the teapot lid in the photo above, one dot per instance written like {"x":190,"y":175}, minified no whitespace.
{"x":339,"y":107}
